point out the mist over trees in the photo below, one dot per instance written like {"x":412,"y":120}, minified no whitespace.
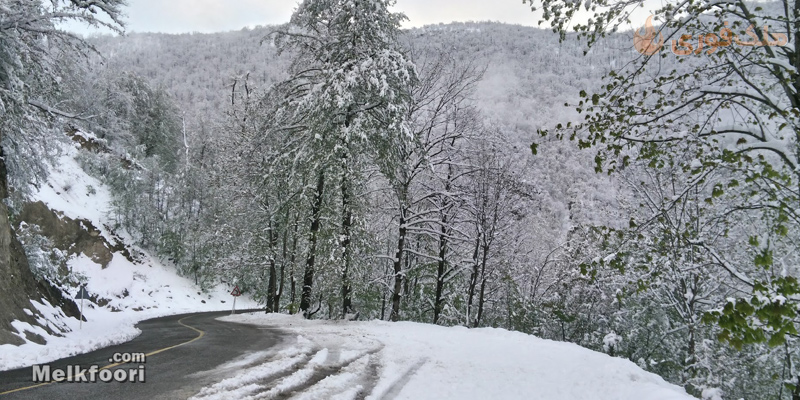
{"x":340,"y":167}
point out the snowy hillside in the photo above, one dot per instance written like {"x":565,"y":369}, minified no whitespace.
{"x":408,"y":360}
{"x":126,"y":290}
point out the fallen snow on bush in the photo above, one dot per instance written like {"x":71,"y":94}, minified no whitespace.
{"x":405,"y":360}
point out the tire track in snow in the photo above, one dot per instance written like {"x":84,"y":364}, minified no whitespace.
{"x":303,"y":378}
{"x":337,"y":383}
{"x":255,"y":379}
{"x":394,"y":390}
{"x":319,"y":378}
{"x":353,"y":379}
{"x":304,"y":371}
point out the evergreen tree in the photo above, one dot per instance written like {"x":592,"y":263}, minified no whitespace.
{"x":349,"y":88}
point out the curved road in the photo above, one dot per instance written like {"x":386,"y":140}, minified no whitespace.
{"x":182,"y":352}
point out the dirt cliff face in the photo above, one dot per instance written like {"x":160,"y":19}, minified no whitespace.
{"x":17,"y":283}
{"x":74,"y":236}
{"x":18,"y":286}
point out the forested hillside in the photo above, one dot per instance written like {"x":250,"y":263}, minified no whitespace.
{"x":474,"y":174}
{"x":502,"y":82}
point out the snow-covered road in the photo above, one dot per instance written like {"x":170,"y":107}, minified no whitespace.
{"x":382,"y":360}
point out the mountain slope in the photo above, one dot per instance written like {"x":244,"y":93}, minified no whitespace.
{"x":126,"y":284}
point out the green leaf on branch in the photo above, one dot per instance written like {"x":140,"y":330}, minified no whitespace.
{"x":764,"y":258}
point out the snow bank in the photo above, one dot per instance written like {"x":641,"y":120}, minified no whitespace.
{"x":419,"y":361}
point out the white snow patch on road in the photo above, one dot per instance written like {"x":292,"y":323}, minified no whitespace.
{"x":406,"y":360}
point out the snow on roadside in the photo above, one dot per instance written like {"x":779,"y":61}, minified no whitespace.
{"x":408,"y":360}
{"x":137,"y":291}
{"x":133,"y":291}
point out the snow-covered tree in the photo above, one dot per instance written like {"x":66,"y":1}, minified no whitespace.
{"x":348,"y":88}
{"x":714,"y":97}
{"x":34,"y":53}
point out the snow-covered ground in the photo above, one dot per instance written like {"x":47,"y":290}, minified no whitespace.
{"x":383,"y":360}
{"x":134,"y":291}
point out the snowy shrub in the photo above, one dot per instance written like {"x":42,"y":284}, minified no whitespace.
{"x":611,"y":342}
{"x":46,"y":261}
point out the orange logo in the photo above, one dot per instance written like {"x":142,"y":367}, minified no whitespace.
{"x":705,"y":42}
{"x":644,"y":44}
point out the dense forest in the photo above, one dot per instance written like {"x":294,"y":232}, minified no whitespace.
{"x":475,"y":174}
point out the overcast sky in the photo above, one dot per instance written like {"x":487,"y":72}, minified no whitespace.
{"x":176,"y":16}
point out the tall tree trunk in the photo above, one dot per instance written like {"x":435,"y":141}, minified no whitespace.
{"x":347,"y":220}
{"x":690,"y":360}
{"x":292,"y":277}
{"x":473,"y":279}
{"x":438,"y":301}
{"x":383,"y":306}
{"x":308,"y":274}
{"x":482,"y":294}
{"x":272,"y":305}
{"x":796,"y":64}
{"x":280,"y":287}
{"x":284,"y":251}
{"x":398,"y":266}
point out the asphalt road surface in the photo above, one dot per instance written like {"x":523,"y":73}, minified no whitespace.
{"x":182,"y":353}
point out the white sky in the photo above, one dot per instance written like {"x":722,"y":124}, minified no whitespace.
{"x":177,"y":16}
